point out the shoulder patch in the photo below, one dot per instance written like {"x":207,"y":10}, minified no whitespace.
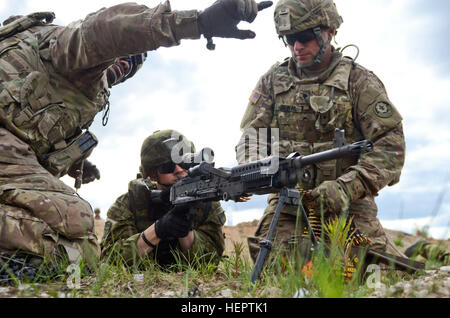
{"x":255,"y":97}
{"x":383,"y":110}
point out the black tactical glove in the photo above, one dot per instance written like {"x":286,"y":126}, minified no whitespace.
{"x":221,"y":19}
{"x":90,"y":172}
{"x":177,"y":223}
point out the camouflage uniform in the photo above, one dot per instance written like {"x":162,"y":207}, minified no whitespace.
{"x":436,"y":252}
{"x":307,"y":108}
{"x":423,"y":251}
{"x":132,"y":213}
{"x":53,"y":83}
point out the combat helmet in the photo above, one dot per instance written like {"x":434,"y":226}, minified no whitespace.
{"x":163,"y":146}
{"x":295,"y":16}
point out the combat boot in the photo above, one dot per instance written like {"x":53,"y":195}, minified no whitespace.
{"x":415,"y":247}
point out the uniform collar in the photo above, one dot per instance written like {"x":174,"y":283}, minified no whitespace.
{"x":336,"y":75}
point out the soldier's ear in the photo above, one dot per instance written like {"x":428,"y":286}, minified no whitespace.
{"x":331,"y":33}
{"x":141,"y":173}
{"x":153,"y":175}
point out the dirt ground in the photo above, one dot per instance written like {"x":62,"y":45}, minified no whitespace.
{"x":433,"y":284}
{"x":239,"y":234}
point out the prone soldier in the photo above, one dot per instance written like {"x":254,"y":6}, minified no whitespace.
{"x":423,"y":251}
{"x":138,"y":227}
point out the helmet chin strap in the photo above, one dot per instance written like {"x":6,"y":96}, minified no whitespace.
{"x":323,"y":48}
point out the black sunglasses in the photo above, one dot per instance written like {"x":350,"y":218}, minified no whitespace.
{"x":302,"y":37}
{"x":167,"y":168}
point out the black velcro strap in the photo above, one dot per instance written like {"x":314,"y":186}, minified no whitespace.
{"x":147,"y":241}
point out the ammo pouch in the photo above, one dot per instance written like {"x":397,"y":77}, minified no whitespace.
{"x":59,"y":162}
{"x":18,"y":24}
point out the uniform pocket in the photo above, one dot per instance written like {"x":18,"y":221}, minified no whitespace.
{"x":8,"y":44}
{"x":284,"y":148}
{"x":322,"y":105}
{"x":296,"y":122}
{"x":20,"y":230}
{"x":58,"y":162}
{"x":65,"y":214}
{"x":333,"y":113}
{"x":35,"y":91}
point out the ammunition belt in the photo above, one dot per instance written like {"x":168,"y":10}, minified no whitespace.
{"x":355,"y":237}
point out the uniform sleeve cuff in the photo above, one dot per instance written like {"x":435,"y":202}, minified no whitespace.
{"x":186,"y":25}
{"x":353,"y":185}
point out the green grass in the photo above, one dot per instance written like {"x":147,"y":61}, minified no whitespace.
{"x":285,"y":275}
{"x":282,"y":278}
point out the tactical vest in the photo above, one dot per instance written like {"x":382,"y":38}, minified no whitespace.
{"x":37,"y":104}
{"x":146,"y":213}
{"x":307,"y":115}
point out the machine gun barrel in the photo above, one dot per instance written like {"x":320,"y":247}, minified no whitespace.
{"x":355,"y":150}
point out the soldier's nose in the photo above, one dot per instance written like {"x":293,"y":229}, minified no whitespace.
{"x":298,"y":46}
{"x":178,"y":170}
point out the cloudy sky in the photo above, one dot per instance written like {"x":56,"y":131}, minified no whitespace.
{"x":204,"y":94}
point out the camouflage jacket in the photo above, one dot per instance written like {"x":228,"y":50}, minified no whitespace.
{"x":307,"y":109}
{"x":132,"y":213}
{"x":53,"y":78}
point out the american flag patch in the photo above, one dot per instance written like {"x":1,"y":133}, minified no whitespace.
{"x":255,"y":97}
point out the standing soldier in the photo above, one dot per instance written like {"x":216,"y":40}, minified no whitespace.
{"x":307,"y":97}
{"x":137,"y":226}
{"x":53,"y":82}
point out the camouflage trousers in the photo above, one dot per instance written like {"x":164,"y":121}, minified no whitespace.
{"x":429,"y":251}
{"x":39,"y":214}
{"x":364,"y":213}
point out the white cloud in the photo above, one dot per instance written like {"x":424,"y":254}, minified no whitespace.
{"x":437,"y":228}
{"x":237,"y":217}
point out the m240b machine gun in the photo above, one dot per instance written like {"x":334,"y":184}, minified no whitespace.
{"x":270,"y":175}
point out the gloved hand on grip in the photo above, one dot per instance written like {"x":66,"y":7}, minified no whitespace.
{"x":177,"y":223}
{"x":223,"y":16}
{"x":333,"y":195}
